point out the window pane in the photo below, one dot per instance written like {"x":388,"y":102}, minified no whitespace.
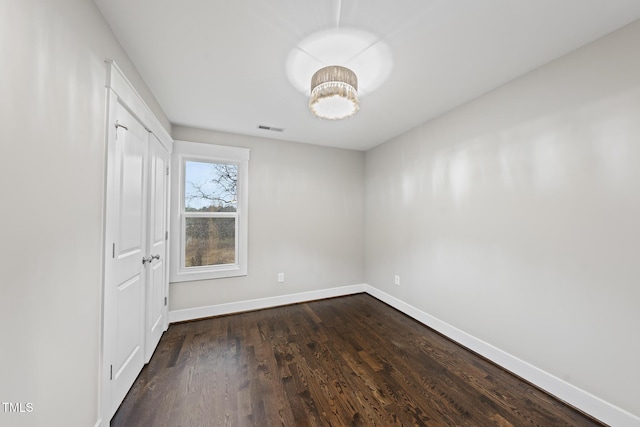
{"x":210,"y":241}
{"x":210,"y":187}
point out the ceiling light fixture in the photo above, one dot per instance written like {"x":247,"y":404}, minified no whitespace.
{"x":334,"y":93}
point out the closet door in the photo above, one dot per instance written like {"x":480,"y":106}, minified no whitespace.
{"x":134,"y":312}
{"x":126,"y":241}
{"x":156,"y":312}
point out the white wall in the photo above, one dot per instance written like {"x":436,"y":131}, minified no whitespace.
{"x":516,"y":218}
{"x":306,"y":209}
{"x":52,"y":165}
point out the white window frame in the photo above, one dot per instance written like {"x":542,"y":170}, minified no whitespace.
{"x":184,"y":151}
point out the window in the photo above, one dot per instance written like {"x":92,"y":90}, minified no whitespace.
{"x":209,"y":211}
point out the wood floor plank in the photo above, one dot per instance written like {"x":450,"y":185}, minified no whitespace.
{"x":349,"y":361}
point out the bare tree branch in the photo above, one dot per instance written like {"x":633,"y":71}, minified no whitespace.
{"x":220,"y":190}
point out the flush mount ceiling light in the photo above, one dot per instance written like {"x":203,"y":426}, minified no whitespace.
{"x":334,"y":93}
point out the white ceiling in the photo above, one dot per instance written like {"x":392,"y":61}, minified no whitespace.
{"x":222,"y":64}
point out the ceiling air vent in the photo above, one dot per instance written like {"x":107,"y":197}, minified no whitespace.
{"x":271,"y":128}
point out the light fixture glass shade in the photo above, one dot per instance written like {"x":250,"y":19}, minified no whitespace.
{"x":334,"y":93}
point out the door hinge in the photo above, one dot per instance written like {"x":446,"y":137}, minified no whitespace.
{"x":166,"y":235}
{"x":113,"y":251}
{"x":118,"y":125}
{"x":167,"y":170}
{"x":110,"y":372}
{"x":165,"y":301}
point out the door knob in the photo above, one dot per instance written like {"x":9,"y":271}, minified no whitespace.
{"x":155,"y":257}
{"x":146,"y":260}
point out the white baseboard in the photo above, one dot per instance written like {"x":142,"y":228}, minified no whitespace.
{"x":98,"y":423}
{"x":257,"y":304}
{"x":574,"y":396}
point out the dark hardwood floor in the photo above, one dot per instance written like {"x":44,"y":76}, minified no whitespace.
{"x":350,"y":361}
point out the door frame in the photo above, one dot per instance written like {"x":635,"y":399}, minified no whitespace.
{"x":119,"y":90}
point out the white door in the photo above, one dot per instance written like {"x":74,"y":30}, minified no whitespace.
{"x":126,"y":240}
{"x":157,"y":238}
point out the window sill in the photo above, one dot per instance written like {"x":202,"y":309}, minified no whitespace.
{"x":208,"y":274}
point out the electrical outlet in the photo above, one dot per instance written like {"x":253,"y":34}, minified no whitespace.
{"x":280,"y":277}
{"x":396,"y":280}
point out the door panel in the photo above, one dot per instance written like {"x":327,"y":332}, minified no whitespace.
{"x":156,"y":312}
{"x":125,"y":274}
{"x":156,"y":283}
{"x":128,"y":350}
